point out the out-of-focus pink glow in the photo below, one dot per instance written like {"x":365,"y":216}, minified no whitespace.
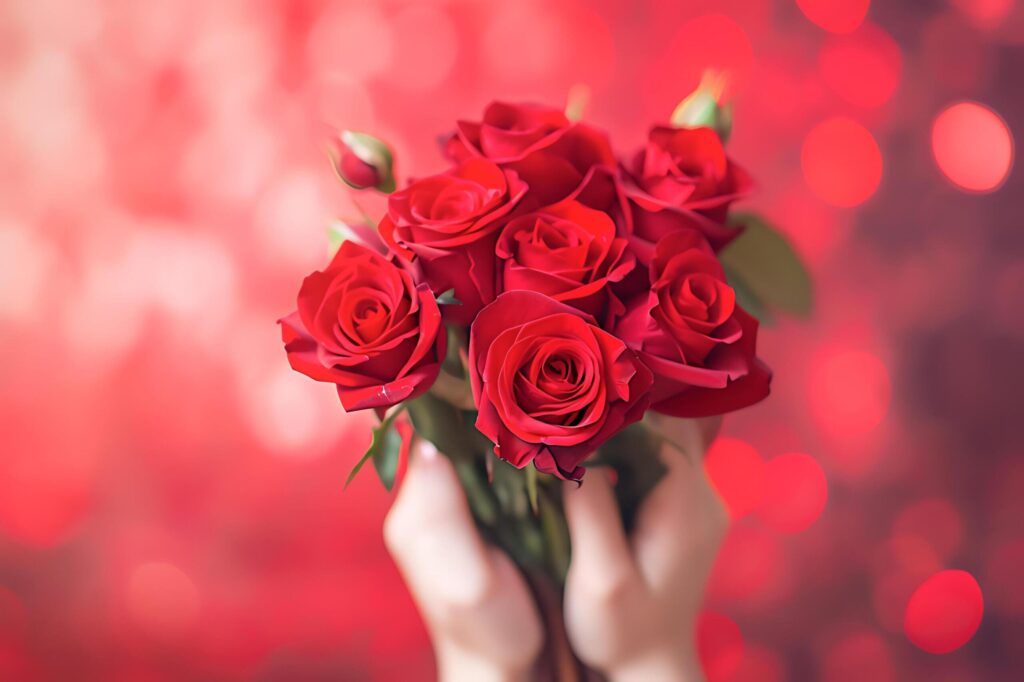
{"x":972,"y":146}
{"x":863,"y":68}
{"x":171,"y":501}
{"x":837,"y":16}
{"x":162,"y":599}
{"x":737,"y":472}
{"x":719,"y":645}
{"x":861,"y":655}
{"x":750,"y":565}
{"x":795,"y":492}
{"x":986,"y":13}
{"x":759,"y":664}
{"x":935,"y":521}
{"x":849,"y":391}
{"x":841,"y":162}
{"x":944,"y":612}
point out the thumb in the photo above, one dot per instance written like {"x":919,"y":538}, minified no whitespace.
{"x":431,"y":535}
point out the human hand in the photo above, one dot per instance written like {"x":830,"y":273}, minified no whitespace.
{"x":631,"y":603}
{"x":477,"y":607}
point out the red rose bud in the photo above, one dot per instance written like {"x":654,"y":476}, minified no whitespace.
{"x":691,"y":333}
{"x":551,"y":386}
{"x":364,"y":325}
{"x":703,"y":107}
{"x":362,"y":161}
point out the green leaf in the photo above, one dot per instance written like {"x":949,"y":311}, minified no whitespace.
{"x":448,"y":298}
{"x":747,"y":299}
{"x":764,"y":264}
{"x":385,"y":457}
{"x":384,"y":450}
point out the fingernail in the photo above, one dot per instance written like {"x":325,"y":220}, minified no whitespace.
{"x":427,"y":450}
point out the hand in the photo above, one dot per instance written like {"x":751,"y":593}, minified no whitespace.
{"x":631,"y":604}
{"x":478,"y":610}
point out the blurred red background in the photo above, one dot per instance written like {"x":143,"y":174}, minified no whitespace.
{"x":170,"y":491}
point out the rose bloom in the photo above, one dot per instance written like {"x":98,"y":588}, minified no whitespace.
{"x":682,"y":179}
{"x":568,"y":252}
{"x":449,"y":224}
{"x":690,"y":332}
{"x":365,"y":325}
{"x":550,"y":385}
{"x":549,"y":152}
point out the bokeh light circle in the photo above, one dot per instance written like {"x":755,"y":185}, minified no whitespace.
{"x":719,"y":645}
{"x":986,"y":14}
{"x":944,"y":612}
{"x":849,"y":391}
{"x":841,"y":162}
{"x":795,"y":492}
{"x":736,"y":471}
{"x":972,"y":146}
{"x":425,"y":47}
{"x":835,"y":16}
{"x":709,"y":41}
{"x":859,"y":656}
{"x":162,"y":598}
{"x":863,"y":68}
{"x":751,"y":567}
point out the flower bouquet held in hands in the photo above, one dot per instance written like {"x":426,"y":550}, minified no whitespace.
{"x":530,"y":306}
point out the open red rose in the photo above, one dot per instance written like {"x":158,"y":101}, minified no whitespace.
{"x":550,"y":385}
{"x":364,"y":325}
{"x":568,"y":252}
{"x":549,"y":152}
{"x":682,"y":179}
{"x":689,"y":330}
{"x":449,"y":222}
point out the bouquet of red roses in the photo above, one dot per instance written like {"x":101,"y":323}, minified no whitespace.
{"x":526,"y":307}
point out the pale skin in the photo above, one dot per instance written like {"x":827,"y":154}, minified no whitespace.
{"x":631,"y":602}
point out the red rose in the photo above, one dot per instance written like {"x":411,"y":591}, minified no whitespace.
{"x":688,"y":329}
{"x":550,"y":385}
{"x":568,"y":252}
{"x":549,"y":152}
{"x":449,"y":222}
{"x":364,"y":325}
{"x":682,"y":179}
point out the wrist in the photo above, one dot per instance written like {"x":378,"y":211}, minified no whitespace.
{"x":677,"y":665}
{"x":458,"y":665}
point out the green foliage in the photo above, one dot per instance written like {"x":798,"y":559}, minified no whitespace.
{"x":384,"y":450}
{"x":766,"y":271}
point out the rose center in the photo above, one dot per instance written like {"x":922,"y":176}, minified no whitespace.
{"x":369,"y":319}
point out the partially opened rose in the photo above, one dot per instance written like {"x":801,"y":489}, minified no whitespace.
{"x":568,"y":252}
{"x":548,"y":151}
{"x":690,"y":332}
{"x":449,"y":223}
{"x":551,"y":385}
{"x":682,"y":179}
{"x":364,"y":325}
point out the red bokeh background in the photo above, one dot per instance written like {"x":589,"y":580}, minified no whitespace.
{"x":170,"y":491}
